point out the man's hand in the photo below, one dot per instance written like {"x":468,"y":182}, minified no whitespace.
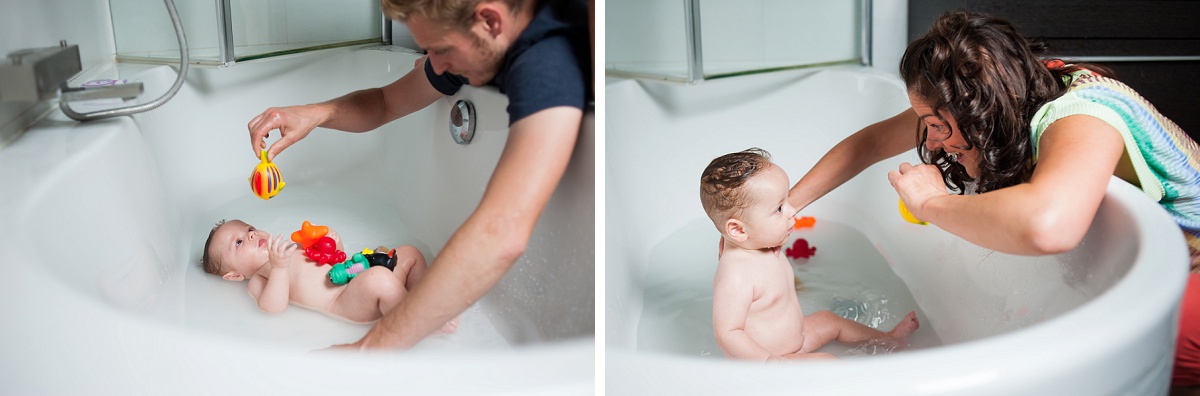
{"x":293,"y":123}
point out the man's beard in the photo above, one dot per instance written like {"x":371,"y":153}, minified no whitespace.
{"x":490,"y":55}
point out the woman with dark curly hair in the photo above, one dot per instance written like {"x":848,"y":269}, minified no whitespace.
{"x":1017,"y":151}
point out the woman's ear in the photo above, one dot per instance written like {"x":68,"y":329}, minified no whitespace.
{"x":233,"y":276}
{"x":736,"y":230}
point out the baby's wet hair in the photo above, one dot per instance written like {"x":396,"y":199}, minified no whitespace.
{"x":721,"y":191}
{"x":207,"y":260}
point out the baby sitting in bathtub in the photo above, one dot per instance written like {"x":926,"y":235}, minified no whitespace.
{"x":279,"y":273}
{"x":756,"y":313}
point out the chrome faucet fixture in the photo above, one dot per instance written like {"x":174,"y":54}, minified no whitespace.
{"x":39,"y":74}
{"x":35,"y":74}
{"x":462,"y":122}
{"x":124,"y":91}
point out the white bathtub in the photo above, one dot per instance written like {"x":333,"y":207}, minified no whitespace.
{"x":103,"y":223}
{"x":1100,"y":319}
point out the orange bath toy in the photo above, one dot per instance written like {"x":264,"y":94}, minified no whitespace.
{"x":309,"y":234}
{"x":266,"y":181}
{"x":805,"y":222}
{"x":317,"y":245}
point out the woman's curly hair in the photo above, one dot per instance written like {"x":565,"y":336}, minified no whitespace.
{"x":991,"y":81}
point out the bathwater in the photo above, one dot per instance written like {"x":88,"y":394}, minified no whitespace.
{"x":215,"y":305}
{"x":847,"y":275}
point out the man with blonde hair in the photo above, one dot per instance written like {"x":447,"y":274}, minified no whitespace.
{"x":537,"y":53}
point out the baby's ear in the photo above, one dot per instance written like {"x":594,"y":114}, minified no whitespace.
{"x":233,"y":276}
{"x":735,"y":230}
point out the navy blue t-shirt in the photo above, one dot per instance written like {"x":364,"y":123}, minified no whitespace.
{"x":547,"y":66}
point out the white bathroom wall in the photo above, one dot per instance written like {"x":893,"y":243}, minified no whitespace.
{"x":650,"y":35}
{"x":760,"y":34}
{"x":645,"y":35}
{"x":889,"y":34}
{"x":401,"y":36}
{"x":42,"y":23}
{"x":142,"y":28}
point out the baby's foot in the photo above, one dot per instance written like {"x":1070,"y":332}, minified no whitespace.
{"x":450,"y":327}
{"x":905,"y":328}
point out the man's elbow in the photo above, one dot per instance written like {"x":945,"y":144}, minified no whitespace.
{"x":511,"y":238}
{"x":513,"y":246}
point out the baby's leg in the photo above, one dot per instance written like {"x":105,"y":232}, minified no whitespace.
{"x":823,"y":327}
{"x":369,"y":295}
{"x":410,"y":266}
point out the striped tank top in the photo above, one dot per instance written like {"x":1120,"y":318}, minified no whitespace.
{"x":1165,"y":159}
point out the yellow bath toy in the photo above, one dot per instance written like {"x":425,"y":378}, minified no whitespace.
{"x":908,"y":216}
{"x":266,"y":181}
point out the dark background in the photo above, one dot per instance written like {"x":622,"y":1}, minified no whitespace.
{"x":1106,"y":28}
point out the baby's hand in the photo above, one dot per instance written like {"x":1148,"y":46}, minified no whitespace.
{"x":280,"y":251}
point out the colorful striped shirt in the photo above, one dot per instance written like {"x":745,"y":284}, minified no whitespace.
{"x":1165,"y":159}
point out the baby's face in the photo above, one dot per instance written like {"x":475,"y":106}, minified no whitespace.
{"x":768,"y":219}
{"x":240,"y":248}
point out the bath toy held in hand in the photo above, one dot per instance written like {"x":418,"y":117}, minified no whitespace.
{"x":805,"y":222}
{"x":800,"y":249}
{"x":266,"y":181}
{"x":908,"y":216}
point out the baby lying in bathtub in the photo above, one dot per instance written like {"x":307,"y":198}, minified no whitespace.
{"x":756,"y":313}
{"x":279,"y":273}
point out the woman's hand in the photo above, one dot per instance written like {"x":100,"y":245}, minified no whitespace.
{"x":293,"y":123}
{"x":279,"y":252}
{"x":916,"y":185}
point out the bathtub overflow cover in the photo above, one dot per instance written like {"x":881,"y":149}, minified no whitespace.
{"x":462,"y":122}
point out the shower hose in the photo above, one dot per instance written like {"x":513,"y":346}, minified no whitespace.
{"x":128,"y":110}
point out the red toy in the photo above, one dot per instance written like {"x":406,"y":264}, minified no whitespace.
{"x":317,"y":246}
{"x":324,"y":251}
{"x":800,"y":249}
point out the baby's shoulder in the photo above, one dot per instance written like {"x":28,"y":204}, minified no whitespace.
{"x":736,"y":266}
